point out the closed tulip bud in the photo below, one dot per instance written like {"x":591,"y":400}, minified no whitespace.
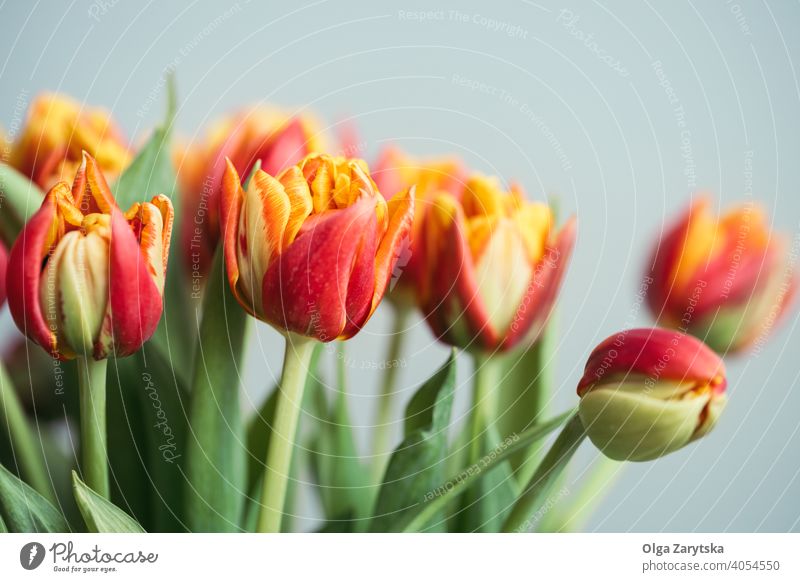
{"x":648,"y":392}
{"x":396,"y":172}
{"x":262,"y":134}
{"x":725,"y":280}
{"x":86,"y":279}
{"x":493,"y":265}
{"x":57,"y":132}
{"x":311,"y":250}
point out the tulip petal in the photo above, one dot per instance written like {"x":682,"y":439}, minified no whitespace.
{"x":24,"y":269}
{"x":136,"y":303}
{"x":306,"y":287}
{"x":394,"y":241}
{"x":656,"y":354}
{"x":534,"y":309}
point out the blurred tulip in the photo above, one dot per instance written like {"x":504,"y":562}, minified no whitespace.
{"x":397,"y":172}
{"x":57,"y":132}
{"x":493,"y":265}
{"x":311,"y":250}
{"x":725,"y":280}
{"x":262,"y":134}
{"x":86,"y":279}
{"x":649,"y":392}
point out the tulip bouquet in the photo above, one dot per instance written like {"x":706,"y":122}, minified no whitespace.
{"x":132,"y":340}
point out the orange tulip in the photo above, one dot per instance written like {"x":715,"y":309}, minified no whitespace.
{"x":493,"y":266}
{"x":725,"y":280}
{"x":57,"y":132}
{"x":260,"y":134}
{"x":311,"y":250}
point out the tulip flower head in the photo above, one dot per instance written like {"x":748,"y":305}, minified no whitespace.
{"x":311,"y":250}
{"x":260,"y":134}
{"x":725,"y":280}
{"x":57,"y":132}
{"x":86,"y":279}
{"x":493,"y":265}
{"x":648,"y":392}
{"x":397,"y":172}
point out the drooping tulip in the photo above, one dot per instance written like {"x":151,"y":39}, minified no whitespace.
{"x":648,"y":392}
{"x":84,"y":279}
{"x":260,"y":134}
{"x":493,"y":265}
{"x":725,"y":280}
{"x":57,"y":131}
{"x":311,"y":250}
{"x":397,"y":172}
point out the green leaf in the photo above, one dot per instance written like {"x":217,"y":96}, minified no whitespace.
{"x":23,"y":510}
{"x":419,"y":463}
{"x":19,"y":199}
{"x":437,"y":498}
{"x":150,"y":173}
{"x":100,"y":515}
{"x":344,"y":481}
{"x":215,"y":452}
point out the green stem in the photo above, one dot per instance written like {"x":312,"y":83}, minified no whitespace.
{"x":541,"y":484}
{"x":383,"y":419}
{"x":26,"y":445}
{"x":284,"y":431}
{"x":488,"y":373}
{"x":453,"y":487}
{"x":92,"y":388}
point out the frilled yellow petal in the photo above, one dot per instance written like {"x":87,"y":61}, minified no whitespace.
{"x":300,"y":201}
{"x":534,"y":221}
{"x":483,"y":196}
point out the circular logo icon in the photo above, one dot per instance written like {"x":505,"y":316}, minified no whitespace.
{"x":31,"y":555}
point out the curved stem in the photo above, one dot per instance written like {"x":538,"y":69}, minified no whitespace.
{"x":541,"y":484}
{"x":25,"y":444}
{"x":92,"y":388}
{"x":450,"y":489}
{"x":383,"y":419}
{"x":284,"y":431}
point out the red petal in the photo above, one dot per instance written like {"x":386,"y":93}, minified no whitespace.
{"x":306,"y":289}
{"x":655,"y":353}
{"x":136,"y":304}
{"x":3,"y":265}
{"x":284,"y":149}
{"x":24,"y":271}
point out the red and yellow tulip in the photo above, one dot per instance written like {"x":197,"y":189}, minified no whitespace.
{"x":648,"y":392}
{"x":57,"y":132}
{"x":311,"y":250}
{"x":260,"y":134}
{"x":723,"y":279}
{"x":397,"y":172}
{"x":493,"y":265}
{"x":86,"y":279}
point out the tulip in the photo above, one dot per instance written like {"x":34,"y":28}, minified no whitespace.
{"x":261,"y":134}
{"x":648,"y":392}
{"x":725,"y":280}
{"x":57,"y":132}
{"x":311,"y":252}
{"x":86,"y":281}
{"x":494,"y":263}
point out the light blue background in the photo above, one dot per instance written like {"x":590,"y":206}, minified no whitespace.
{"x":551,"y":114}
